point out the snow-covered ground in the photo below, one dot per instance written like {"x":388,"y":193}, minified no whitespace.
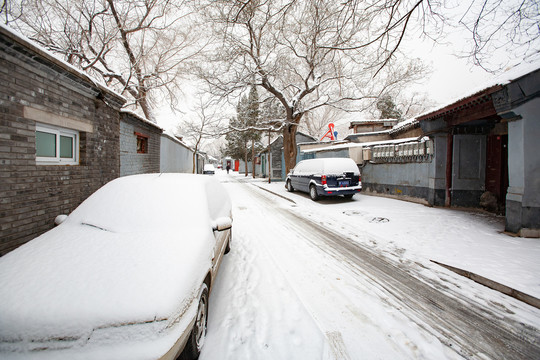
{"x":280,"y":297}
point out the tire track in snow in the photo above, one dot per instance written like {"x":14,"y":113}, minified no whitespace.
{"x":467,"y":327}
{"x":340,"y":315}
{"x":254,"y":314}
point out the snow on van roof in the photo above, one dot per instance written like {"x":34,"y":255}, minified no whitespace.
{"x":332,"y":166}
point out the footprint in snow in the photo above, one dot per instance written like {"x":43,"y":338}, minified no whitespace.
{"x":354,"y":212}
{"x":379,"y":220}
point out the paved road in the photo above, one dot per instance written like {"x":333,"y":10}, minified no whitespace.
{"x":472,"y":329}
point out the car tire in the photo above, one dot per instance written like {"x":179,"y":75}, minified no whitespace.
{"x":313,"y":193}
{"x":198,"y":333}
{"x":289,"y":186}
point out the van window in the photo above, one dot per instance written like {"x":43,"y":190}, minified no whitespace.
{"x":313,"y":167}
{"x":302,"y":168}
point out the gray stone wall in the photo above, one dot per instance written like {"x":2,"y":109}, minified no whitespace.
{"x":523,"y":197}
{"x":36,"y":88}
{"x":399,"y":179}
{"x":131,"y":162}
{"x":175,"y":157}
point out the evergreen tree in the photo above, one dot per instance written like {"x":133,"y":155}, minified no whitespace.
{"x":243,"y":137}
{"x":388,"y":108}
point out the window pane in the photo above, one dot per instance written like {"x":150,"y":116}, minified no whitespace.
{"x":66,"y":147}
{"x":45,"y":144}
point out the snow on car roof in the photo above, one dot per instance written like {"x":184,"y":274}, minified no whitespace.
{"x":145,"y":203}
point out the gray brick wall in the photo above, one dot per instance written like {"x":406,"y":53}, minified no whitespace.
{"x":131,"y":162}
{"x":32,"y":195}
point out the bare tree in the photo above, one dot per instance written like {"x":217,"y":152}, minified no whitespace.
{"x":316,"y":122}
{"x":204,"y":126}
{"x":414,"y":104}
{"x":511,"y":25}
{"x":136,"y":46}
{"x":309,"y":54}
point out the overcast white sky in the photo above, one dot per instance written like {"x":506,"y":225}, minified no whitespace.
{"x":452,"y":77}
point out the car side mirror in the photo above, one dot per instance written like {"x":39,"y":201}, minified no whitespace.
{"x":59,"y":219}
{"x":222,"y":223}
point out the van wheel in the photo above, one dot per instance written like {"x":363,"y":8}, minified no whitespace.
{"x":289,"y":186}
{"x":313,"y":193}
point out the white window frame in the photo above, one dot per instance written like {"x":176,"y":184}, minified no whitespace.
{"x":57,"y":160}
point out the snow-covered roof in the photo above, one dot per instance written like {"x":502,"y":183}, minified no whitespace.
{"x":32,"y":45}
{"x":489,"y":87}
{"x":368,"y":133}
{"x":404,"y":125}
{"x":171,"y":136}
{"x":141,"y":118}
{"x":366,"y":144}
{"x":372,"y":121}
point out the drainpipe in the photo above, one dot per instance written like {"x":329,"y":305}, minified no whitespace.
{"x":449,"y":156}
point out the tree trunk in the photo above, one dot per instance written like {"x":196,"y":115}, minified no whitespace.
{"x":145,"y":106}
{"x":246,"y":158}
{"x":289,"y":147}
{"x":253,"y":159}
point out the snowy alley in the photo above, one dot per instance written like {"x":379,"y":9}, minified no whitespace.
{"x":342,"y":279}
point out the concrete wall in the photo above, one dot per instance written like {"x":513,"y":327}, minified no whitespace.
{"x":403,"y":179}
{"x":343,"y":153}
{"x":523,"y":197}
{"x":174,"y":156}
{"x":36,"y":88}
{"x":437,"y":171}
{"x":131,"y":162}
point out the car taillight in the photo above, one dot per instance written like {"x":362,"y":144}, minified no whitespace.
{"x":359,"y":179}
{"x":323,"y":179}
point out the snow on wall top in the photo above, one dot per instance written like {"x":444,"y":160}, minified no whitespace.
{"x":32,"y":45}
{"x":141,"y":118}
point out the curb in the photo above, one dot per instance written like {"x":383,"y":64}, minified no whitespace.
{"x":273,"y":193}
{"x":528,"y":299}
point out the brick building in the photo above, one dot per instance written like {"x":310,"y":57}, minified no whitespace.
{"x":140,"y":143}
{"x":59,"y":139}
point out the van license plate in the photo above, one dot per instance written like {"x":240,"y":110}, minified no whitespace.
{"x":343,"y":183}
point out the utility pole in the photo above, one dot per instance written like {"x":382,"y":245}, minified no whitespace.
{"x":269,"y":162}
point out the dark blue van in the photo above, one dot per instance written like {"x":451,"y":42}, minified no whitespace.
{"x":325,"y":177}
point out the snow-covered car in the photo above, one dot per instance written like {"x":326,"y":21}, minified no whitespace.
{"x":126,"y":275}
{"x":209,"y":169}
{"x":325,"y":177}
